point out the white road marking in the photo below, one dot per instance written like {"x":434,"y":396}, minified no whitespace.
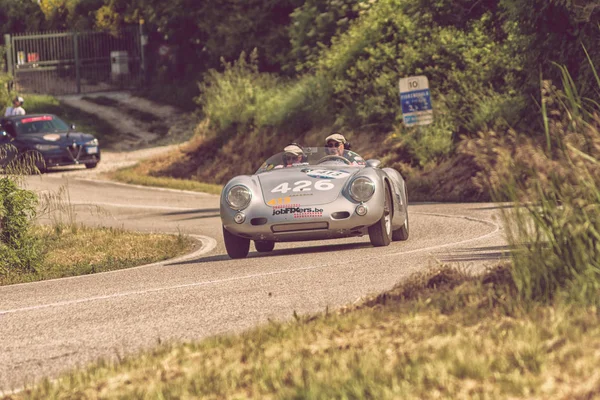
{"x":261,"y":275}
{"x":139,"y":206}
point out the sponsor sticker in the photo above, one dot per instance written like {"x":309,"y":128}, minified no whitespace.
{"x":279,"y":201}
{"x":298,"y":211}
{"x":326,"y":173}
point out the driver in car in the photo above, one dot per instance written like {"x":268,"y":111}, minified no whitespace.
{"x":337,"y":145}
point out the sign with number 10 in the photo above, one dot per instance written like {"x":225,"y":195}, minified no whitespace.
{"x":415,"y":99}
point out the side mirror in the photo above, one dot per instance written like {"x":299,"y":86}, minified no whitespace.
{"x":72,"y":127}
{"x":373,"y":163}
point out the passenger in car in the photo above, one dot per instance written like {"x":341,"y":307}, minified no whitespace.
{"x":293,"y":154}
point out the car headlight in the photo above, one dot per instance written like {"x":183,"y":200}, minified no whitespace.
{"x":46,"y":147}
{"x":362,"y":189}
{"x":93,"y":142}
{"x":238,"y":197}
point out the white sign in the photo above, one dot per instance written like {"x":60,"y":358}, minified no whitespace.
{"x":415,"y":99}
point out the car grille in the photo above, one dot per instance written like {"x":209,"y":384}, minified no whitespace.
{"x":304,"y":226}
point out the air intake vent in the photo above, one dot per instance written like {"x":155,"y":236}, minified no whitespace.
{"x":258,"y":221}
{"x":340,"y":215}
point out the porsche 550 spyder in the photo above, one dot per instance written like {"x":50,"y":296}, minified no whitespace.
{"x":317,"y":196}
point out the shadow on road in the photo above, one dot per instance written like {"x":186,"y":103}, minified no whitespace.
{"x":279,"y":253}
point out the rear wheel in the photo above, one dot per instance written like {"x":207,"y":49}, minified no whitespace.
{"x":380,"y":233}
{"x":264,"y":246}
{"x":237,"y":247}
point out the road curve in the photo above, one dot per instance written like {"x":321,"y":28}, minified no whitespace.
{"x":50,"y":327}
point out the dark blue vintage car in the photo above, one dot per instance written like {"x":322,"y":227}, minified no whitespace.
{"x":50,"y":140}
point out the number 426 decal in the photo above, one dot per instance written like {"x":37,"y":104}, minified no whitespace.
{"x":303,"y":186}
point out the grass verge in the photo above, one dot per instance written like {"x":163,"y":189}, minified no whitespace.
{"x":439,"y":335}
{"x":77,"y":250}
{"x":85,"y":122}
{"x":138,"y":175}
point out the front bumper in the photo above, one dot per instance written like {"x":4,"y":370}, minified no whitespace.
{"x":288,"y":223}
{"x":67,"y":156}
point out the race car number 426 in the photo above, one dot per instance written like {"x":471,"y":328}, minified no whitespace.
{"x":303,"y":186}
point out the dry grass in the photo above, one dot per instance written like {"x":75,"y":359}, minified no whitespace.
{"x":78,"y":250}
{"x":440,"y":335}
{"x":150,"y":172}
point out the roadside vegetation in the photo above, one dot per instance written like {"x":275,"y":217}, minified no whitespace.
{"x":30,"y":251}
{"x":140,"y":175}
{"x":74,"y":250}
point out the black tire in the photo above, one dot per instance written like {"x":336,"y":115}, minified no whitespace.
{"x":237,"y":247}
{"x":264,"y":246}
{"x":380,"y":233}
{"x":91,"y":165}
{"x":401,"y":234}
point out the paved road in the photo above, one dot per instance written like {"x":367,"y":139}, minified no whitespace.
{"x":50,"y":327}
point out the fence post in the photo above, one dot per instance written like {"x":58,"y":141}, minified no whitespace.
{"x":143,"y":43}
{"x":77,"y":62}
{"x":9,"y":59}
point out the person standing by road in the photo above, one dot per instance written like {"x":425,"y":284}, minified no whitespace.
{"x":17,"y":108}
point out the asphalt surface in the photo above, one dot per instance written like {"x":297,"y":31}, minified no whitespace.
{"x":50,"y":327}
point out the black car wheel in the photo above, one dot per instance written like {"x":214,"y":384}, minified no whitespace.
{"x":237,"y":247}
{"x":264,"y":246}
{"x":380,"y":233}
{"x":91,"y":165}
{"x":401,"y":234}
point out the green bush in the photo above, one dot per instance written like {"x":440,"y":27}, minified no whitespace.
{"x":554,"y":181}
{"x":19,"y":249}
{"x":242,"y":98}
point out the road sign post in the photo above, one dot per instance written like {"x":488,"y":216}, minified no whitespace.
{"x":415,"y":99}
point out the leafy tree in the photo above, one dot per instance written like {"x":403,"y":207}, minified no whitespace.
{"x":20,"y":16}
{"x":555,"y":31}
{"x":314,"y":24}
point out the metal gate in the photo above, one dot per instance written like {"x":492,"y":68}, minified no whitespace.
{"x":75,"y":62}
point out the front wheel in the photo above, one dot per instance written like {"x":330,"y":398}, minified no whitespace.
{"x":401,"y":233}
{"x":237,"y":247}
{"x":264,"y":246}
{"x":380,"y":233}
{"x":91,"y":165}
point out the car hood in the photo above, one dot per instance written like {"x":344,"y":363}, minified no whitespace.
{"x":59,"y":138}
{"x":308,"y":185}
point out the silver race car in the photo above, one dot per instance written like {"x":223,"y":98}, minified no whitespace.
{"x":312,"y":194}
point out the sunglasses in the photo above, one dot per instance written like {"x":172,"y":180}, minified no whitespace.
{"x":292,"y":157}
{"x":333,"y":144}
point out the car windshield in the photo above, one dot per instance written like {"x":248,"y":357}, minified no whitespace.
{"x":40,"y":124}
{"x":312,"y":156}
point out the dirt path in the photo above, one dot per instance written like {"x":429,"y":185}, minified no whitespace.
{"x":147,"y":129}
